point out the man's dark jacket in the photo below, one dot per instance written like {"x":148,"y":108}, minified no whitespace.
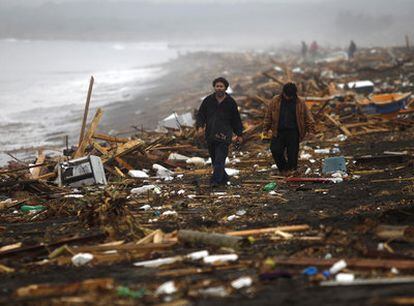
{"x":220,"y":119}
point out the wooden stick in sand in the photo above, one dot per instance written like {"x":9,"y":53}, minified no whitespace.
{"x":85,"y":114}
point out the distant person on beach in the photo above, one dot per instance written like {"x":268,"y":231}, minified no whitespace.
{"x":352,"y":49}
{"x":290,"y":121}
{"x":304,"y":50}
{"x":218,"y":118}
{"x":314,"y":49}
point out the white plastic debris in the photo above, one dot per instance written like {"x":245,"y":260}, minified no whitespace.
{"x":145,"y":207}
{"x":181,"y":191}
{"x":245,"y":281}
{"x":394,"y":270}
{"x":179,"y":157}
{"x":220,"y":258}
{"x":274,"y":166}
{"x":345,"y":277}
{"x":166,"y":288}
{"x":321,"y":151}
{"x":157,"y":262}
{"x":305,"y":156}
{"x":162,"y":172}
{"x":76,"y":196}
{"x":308,"y":171}
{"x":312,"y":161}
{"x":338,"y":266}
{"x":278,"y":68}
{"x":235,"y":160}
{"x":337,"y":180}
{"x":81,"y":259}
{"x":213,"y":292}
{"x":297,"y":70}
{"x":197,"y":161}
{"x":338,"y":174}
{"x":341,"y":137}
{"x":241,"y":212}
{"x":232,"y":172}
{"x":272,"y":192}
{"x":142,"y":189}
{"x":232,"y":217}
{"x":169,"y":213}
{"x":197,"y":255}
{"x":137,"y":174}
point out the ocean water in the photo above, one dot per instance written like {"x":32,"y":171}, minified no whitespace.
{"x":43,"y":84}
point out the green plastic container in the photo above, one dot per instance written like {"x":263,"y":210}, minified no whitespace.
{"x":126,"y":292}
{"x":27,"y":208}
{"x":269,"y":187}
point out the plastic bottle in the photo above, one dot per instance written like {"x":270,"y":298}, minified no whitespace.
{"x":27,"y":208}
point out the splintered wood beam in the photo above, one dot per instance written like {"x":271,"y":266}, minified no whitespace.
{"x":40,"y":160}
{"x":110,"y":138}
{"x":85,"y":114}
{"x":88,"y":136}
{"x":100,"y":148}
{"x":339,"y":125}
{"x":123,"y":163}
{"x":119,"y":172}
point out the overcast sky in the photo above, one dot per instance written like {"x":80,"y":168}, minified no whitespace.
{"x":253,"y":22}
{"x":39,"y":2}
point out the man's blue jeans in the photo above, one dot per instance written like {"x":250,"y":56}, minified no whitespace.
{"x":218,"y":152}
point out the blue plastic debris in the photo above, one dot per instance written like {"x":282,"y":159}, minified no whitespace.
{"x":310,"y":271}
{"x":326,"y":273}
{"x":334,"y":164}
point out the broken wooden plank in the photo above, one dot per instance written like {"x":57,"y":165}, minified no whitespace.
{"x":110,"y":138}
{"x":40,"y":160}
{"x":123,"y":163}
{"x":395,"y":232}
{"x":339,"y":125}
{"x":270,"y":230}
{"x":87,"y":138}
{"x":44,"y":290}
{"x":85,"y":114}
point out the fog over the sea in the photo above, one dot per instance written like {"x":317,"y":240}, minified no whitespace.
{"x":243,"y":23}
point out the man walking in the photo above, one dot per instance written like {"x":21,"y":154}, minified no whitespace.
{"x":352,"y":49}
{"x":218,"y":117}
{"x":290,"y":120}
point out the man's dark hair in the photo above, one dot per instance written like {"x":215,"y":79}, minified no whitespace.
{"x":290,"y":90}
{"x":221,"y":80}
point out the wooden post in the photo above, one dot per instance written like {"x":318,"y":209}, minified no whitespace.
{"x":85,"y":114}
{"x":85,"y":141}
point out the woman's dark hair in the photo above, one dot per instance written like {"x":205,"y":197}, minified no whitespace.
{"x":290,"y":90}
{"x":221,"y":80}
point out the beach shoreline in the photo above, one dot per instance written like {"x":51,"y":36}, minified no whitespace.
{"x":186,"y":80}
